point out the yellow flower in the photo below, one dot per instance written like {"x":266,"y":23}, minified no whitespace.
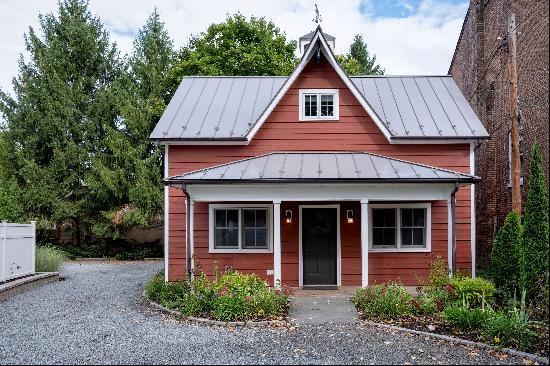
{"x":496,"y":339}
{"x":261,"y":312}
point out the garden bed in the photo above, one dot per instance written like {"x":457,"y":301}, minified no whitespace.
{"x":226,"y":298}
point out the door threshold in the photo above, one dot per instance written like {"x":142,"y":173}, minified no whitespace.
{"x":320,"y":287}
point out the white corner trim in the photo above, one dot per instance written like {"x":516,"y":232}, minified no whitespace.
{"x":472,"y":211}
{"x":449,"y":237}
{"x":298,"y":70}
{"x":336,"y":105}
{"x":277,"y":263}
{"x":397,"y":206}
{"x":211,"y":246}
{"x":338,"y":243}
{"x":364,"y":243}
{"x":166,"y":214}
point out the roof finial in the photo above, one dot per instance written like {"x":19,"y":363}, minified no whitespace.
{"x":318,"y":19}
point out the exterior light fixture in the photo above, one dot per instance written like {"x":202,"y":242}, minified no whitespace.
{"x":349,"y":215}
{"x":288,"y":215}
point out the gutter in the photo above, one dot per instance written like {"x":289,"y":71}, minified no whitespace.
{"x":187,"y":232}
{"x":453,"y":229}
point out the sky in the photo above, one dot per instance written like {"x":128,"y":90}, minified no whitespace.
{"x":407,"y":36}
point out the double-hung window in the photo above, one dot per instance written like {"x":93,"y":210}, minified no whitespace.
{"x":400,"y":227}
{"x":319,"y":104}
{"x":239,"y":228}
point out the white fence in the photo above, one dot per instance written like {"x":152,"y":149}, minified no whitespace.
{"x":17,"y":247}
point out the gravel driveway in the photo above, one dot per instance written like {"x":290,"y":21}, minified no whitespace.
{"x":97,"y":316}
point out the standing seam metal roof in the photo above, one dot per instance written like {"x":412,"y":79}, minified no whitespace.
{"x":321,"y":166}
{"x":219,"y":108}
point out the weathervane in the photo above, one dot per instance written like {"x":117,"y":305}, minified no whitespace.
{"x":318,"y":19}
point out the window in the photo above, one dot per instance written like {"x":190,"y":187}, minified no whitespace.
{"x":400,"y":227}
{"x":319,"y":104}
{"x":239,"y":228}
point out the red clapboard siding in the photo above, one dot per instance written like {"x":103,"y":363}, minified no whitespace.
{"x":355,"y":131}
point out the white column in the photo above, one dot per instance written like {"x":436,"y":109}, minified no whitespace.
{"x":450,"y":237}
{"x":277,"y":243}
{"x":33,"y":255}
{"x":3,"y":264}
{"x":166,"y":215}
{"x":473,"y":211}
{"x":191,"y":206}
{"x":364,"y":243}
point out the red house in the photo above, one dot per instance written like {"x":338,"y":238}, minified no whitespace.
{"x":319,"y":178}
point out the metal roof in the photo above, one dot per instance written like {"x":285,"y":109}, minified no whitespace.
{"x":226,"y":108}
{"x":303,"y":167}
{"x":310,"y":35}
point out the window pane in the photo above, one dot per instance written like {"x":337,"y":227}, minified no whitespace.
{"x":383,"y":217}
{"x":310,"y":105}
{"x":261,"y":238}
{"x":226,"y":238}
{"x":249,"y":218}
{"x":220,"y":218}
{"x":406,"y":237}
{"x":377,"y":236}
{"x":406,"y":217}
{"x":419,"y":216}
{"x":383,"y":237}
{"x":261,"y":218}
{"x":327,"y":105}
{"x":233,"y":218}
{"x":249,"y":238}
{"x":418,"y":237}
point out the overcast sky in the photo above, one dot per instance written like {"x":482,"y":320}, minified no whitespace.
{"x":407,"y":36}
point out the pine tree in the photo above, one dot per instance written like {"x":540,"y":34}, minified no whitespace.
{"x":535,"y":233}
{"x":358,"y":60}
{"x":60,"y":114}
{"x":126,"y":176}
{"x":505,"y":259}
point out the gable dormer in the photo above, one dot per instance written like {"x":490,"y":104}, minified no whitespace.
{"x":306,"y":39}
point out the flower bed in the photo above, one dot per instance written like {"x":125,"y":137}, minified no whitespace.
{"x":231,"y":296}
{"x":461,"y":306}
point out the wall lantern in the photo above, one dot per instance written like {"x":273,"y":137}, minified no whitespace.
{"x":288,"y":215}
{"x":349,"y":215}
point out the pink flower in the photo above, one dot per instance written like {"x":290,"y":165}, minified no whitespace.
{"x":223,"y":291}
{"x":440,"y":304}
{"x":415,"y":303}
{"x":248,"y":299}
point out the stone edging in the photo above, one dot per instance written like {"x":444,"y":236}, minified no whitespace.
{"x":18,"y":285}
{"x":207,"y":321}
{"x":513,"y":352}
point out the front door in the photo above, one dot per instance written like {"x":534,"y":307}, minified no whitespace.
{"x":319,"y":240}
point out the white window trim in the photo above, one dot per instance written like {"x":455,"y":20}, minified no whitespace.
{"x":336,"y":100}
{"x":398,"y":206}
{"x":213,"y":249}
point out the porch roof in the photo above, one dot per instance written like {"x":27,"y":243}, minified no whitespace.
{"x":321,"y":167}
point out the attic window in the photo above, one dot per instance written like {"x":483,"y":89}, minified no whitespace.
{"x":319,"y":104}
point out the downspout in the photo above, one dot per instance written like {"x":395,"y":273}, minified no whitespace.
{"x":453,"y":228}
{"x":187,"y":232}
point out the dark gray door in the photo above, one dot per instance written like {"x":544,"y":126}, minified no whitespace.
{"x":319,"y":230}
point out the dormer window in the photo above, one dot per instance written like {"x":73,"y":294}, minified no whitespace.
{"x":319,"y":104}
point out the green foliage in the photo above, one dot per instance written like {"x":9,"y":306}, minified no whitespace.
{"x":49,"y":258}
{"x":238,"y":46}
{"x":464,"y":317}
{"x":126,"y":175}
{"x":358,"y":60}
{"x":59,"y":115}
{"x":505,"y":259}
{"x":534,"y":261}
{"x":385,"y":301}
{"x":229,"y":297}
{"x":118,"y":249}
{"x":473,"y":292}
{"x":438,"y":276}
{"x":511,"y":329}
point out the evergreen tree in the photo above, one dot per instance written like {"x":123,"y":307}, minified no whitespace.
{"x":358,"y":60}
{"x":505,"y":259}
{"x":60,"y":114}
{"x":535,"y":229}
{"x":126,"y":176}
{"x":237,"y":46}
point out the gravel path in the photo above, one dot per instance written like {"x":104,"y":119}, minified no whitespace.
{"x":97,"y":316}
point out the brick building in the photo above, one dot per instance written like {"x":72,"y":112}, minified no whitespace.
{"x":480,"y":68}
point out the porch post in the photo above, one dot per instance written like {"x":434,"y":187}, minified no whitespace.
{"x":277,"y":243}
{"x":191,"y":207}
{"x":364,"y":243}
{"x":451,"y":235}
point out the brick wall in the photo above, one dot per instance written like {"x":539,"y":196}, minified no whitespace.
{"x":480,"y":68}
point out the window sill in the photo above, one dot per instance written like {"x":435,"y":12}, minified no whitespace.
{"x":304,"y":119}
{"x":395,"y":250}
{"x":239,"y":251}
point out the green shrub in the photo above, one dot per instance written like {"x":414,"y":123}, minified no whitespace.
{"x":473,"y":292}
{"x":534,"y":261}
{"x":229,"y":297}
{"x":49,"y":258}
{"x":513,"y":329}
{"x":438,"y":276}
{"x":505,"y":258}
{"x":464,"y":317}
{"x":387,"y":301}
